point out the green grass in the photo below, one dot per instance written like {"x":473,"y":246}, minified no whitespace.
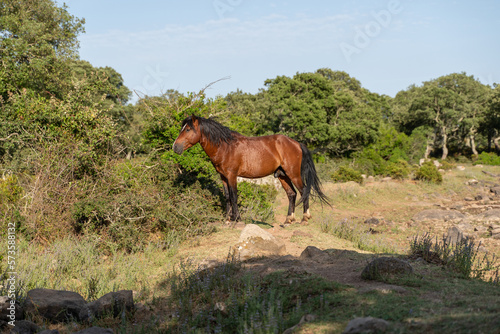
{"x":359,"y":234}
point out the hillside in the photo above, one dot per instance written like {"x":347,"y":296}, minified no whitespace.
{"x":327,"y":284}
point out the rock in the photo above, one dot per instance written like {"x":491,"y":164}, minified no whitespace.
{"x":303,"y":320}
{"x":252,"y":230}
{"x":25,"y":327}
{"x":255,"y":241}
{"x":386,"y":179}
{"x":454,"y":235}
{"x":372,"y":220}
{"x":221,"y":307}
{"x":437,"y":214}
{"x":492,"y":215}
{"x":56,"y":305}
{"x":460,"y":167}
{"x":494,"y":231}
{"x":256,"y":246}
{"x":386,"y":266}
{"x":472,"y":182}
{"x":10,"y":311}
{"x":112,"y":303}
{"x":495,"y":190}
{"x":370,"y":178}
{"x":436,"y":163}
{"x":315,"y":254}
{"x":366,"y":326}
{"x":95,"y":330}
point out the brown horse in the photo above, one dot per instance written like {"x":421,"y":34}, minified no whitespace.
{"x":233,"y":154}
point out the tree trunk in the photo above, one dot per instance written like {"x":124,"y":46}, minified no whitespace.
{"x":473,"y":146}
{"x":497,"y":145}
{"x":428,"y":150}
{"x":445,"y":148}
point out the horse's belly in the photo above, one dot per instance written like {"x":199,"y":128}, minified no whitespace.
{"x":254,"y":166}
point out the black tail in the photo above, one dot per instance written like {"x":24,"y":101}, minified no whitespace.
{"x":310,"y":177}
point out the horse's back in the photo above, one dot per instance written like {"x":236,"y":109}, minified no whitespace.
{"x":261,"y":156}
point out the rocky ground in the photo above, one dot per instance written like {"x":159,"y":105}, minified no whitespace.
{"x":395,"y":210}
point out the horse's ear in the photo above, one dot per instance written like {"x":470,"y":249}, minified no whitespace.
{"x":194,"y":119}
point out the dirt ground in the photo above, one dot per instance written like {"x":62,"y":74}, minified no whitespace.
{"x":392,"y":202}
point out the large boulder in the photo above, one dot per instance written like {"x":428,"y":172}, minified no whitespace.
{"x":112,"y":304}
{"x":255,"y":241}
{"x":56,"y":305}
{"x":437,"y":214}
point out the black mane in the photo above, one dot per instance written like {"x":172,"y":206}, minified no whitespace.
{"x":212,"y":130}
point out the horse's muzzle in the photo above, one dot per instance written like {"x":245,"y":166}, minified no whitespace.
{"x":178,"y":148}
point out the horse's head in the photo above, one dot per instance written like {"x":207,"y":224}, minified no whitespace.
{"x":190,"y":135}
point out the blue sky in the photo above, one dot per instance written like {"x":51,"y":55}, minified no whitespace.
{"x":387,"y":45}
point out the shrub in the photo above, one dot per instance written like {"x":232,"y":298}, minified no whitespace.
{"x":398,"y":170}
{"x":488,"y":159}
{"x":461,"y":257}
{"x":256,"y":201}
{"x":447,"y":165}
{"x":345,"y":174}
{"x":429,"y":172}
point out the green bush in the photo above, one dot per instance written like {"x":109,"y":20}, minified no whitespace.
{"x":429,"y":172}
{"x":486,"y":158}
{"x":398,"y":170}
{"x":345,"y":174}
{"x":256,"y":201}
{"x":447,"y":165}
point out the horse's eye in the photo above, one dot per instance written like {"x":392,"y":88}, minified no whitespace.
{"x":187,"y":130}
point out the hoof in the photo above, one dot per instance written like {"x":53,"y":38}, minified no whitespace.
{"x":289,"y":220}
{"x":304,"y":222}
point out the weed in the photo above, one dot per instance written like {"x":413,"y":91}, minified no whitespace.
{"x":358,"y":234}
{"x":461,"y":257}
{"x":224,"y":299}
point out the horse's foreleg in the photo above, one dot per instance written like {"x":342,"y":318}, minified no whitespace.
{"x":286,"y":183}
{"x":233,"y":196}
{"x":228,"y":198}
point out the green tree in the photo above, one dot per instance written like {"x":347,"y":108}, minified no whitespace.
{"x":37,"y":41}
{"x":491,"y":121}
{"x":327,"y":110}
{"x":451,"y":109}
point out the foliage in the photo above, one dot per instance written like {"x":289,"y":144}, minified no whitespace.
{"x":486,"y":158}
{"x":429,"y":172}
{"x":222,"y":299}
{"x":453,"y":106}
{"x":398,"y":170}
{"x":461,"y":257}
{"x":327,"y":110}
{"x":37,"y":42}
{"x":257,"y":201}
{"x":358,"y":234}
{"x":345,"y":174}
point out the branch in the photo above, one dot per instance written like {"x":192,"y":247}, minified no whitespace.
{"x":12,"y":134}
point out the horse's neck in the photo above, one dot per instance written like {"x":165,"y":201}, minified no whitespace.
{"x":211,"y":149}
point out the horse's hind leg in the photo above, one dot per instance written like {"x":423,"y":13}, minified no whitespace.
{"x":291,"y":193}
{"x":297,"y":181}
